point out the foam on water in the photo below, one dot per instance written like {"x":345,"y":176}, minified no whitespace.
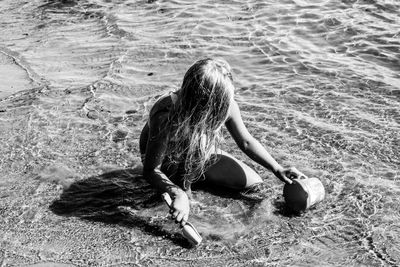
{"x":317,"y":81}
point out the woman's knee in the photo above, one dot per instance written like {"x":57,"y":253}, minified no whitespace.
{"x":231,"y":172}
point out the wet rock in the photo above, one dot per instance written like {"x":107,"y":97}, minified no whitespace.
{"x":119,"y":135}
{"x":92,"y":115}
{"x":132,"y":111}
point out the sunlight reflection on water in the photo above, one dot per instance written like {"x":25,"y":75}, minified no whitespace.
{"x":317,"y":81}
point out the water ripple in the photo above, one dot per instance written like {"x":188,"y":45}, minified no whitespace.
{"x":317,"y":81}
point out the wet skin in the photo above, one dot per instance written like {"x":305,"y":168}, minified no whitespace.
{"x":227,"y":171}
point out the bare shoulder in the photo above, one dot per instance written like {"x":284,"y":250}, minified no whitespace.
{"x":162,"y":104}
{"x":158,"y":123}
{"x":234,"y":111}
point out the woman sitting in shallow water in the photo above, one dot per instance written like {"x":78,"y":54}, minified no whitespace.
{"x":179,"y":143}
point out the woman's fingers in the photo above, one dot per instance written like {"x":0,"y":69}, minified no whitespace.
{"x":287,"y":180}
{"x":288,"y":174}
{"x":293,"y":173}
{"x":175,"y":214}
{"x":185,"y":219}
{"x":283,"y":176}
{"x":180,"y":208}
{"x":180,"y":217}
{"x":297,"y":173}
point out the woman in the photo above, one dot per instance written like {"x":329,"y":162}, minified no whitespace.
{"x":180,"y":142}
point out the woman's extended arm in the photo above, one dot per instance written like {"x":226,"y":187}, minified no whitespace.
{"x":155,"y":150}
{"x":252,"y":148}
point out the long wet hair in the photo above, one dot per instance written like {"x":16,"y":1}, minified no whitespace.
{"x":197,"y":116}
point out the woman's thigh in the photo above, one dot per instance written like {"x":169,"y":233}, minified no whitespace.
{"x":230,"y":172}
{"x":227,"y":171}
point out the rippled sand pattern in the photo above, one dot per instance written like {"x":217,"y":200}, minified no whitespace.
{"x":318,"y":83}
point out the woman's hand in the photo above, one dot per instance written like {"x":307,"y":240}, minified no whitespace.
{"x":286,"y":175}
{"x":180,"y":207}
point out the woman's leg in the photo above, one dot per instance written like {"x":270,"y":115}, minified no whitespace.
{"x":230,"y":172}
{"x":144,"y":136}
{"x":227,"y":171}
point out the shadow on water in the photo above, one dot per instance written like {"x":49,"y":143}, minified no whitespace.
{"x":283,"y":210}
{"x":123,"y":197}
{"x":102,"y":198}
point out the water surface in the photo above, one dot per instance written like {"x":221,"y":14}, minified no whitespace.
{"x":318,"y":83}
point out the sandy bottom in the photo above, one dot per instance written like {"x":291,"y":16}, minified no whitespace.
{"x":317,"y":85}
{"x":13,"y":77}
{"x":72,"y":194}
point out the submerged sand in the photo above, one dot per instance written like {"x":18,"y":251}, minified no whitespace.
{"x":13,"y":77}
{"x":72,"y":195}
{"x":317,"y":85}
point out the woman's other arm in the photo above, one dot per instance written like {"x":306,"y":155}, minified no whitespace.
{"x":253,"y":148}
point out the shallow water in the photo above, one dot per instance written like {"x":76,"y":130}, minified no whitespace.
{"x":318,"y":83}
